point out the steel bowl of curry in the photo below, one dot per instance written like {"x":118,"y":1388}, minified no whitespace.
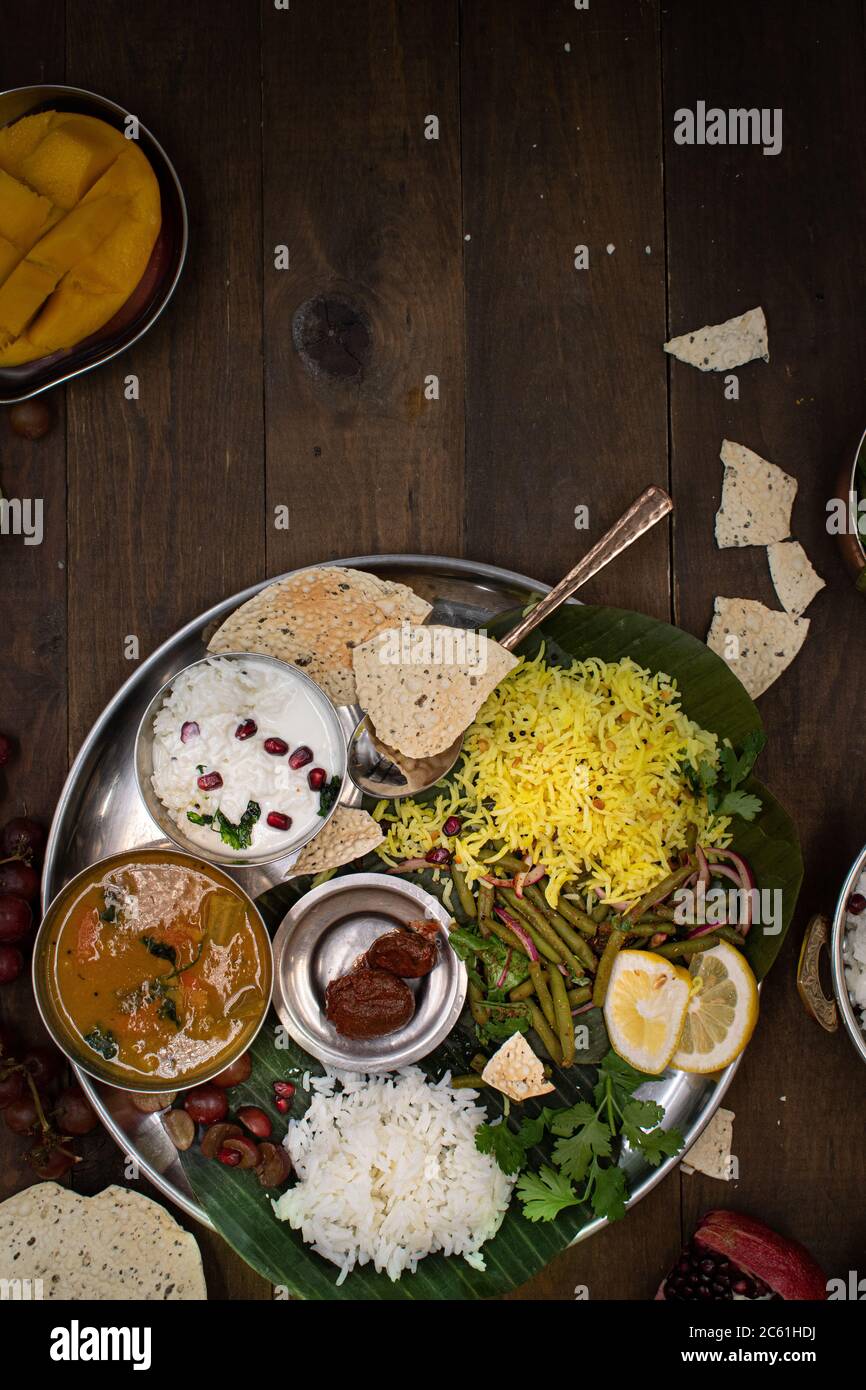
{"x":152,"y":970}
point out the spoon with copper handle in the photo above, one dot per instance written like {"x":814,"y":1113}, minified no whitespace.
{"x":381,"y":772}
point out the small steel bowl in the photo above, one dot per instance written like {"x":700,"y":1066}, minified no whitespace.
{"x":143,"y":759}
{"x":838,"y":934}
{"x":161,"y":275}
{"x":322,"y":937}
{"x":850,"y":540}
{"x":68,"y":1042}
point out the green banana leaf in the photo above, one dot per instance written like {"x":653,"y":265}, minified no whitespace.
{"x":241,"y":1210}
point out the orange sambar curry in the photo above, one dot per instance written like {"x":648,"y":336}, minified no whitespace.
{"x":159,"y":968}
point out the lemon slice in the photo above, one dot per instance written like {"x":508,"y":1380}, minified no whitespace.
{"x":645,"y":1008}
{"x":722,"y":1011}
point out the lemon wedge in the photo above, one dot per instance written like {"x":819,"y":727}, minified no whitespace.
{"x":645,"y":1008}
{"x":722,"y":1011}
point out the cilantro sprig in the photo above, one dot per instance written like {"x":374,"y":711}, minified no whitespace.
{"x":722,"y":785}
{"x":587,"y":1138}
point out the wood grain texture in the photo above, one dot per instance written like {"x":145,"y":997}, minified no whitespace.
{"x":783,"y":231}
{"x":566,"y":393}
{"x":306,"y":128}
{"x":369,"y":211}
{"x":32,"y":591}
{"x":566,"y":396}
{"x":166,"y":493}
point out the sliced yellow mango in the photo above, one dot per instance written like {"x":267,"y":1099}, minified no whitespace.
{"x":70,"y":159}
{"x":79,"y":234}
{"x":10,"y":255}
{"x":22,"y":295}
{"x":23,"y":213}
{"x":19,"y":140}
{"x":71,"y":315}
{"x":81,"y":205}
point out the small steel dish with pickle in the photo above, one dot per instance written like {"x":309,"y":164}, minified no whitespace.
{"x":152,"y":970}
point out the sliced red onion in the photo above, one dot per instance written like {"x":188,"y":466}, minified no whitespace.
{"x":703,"y":930}
{"x":703,"y":867}
{"x":189,"y":731}
{"x":408,"y":866}
{"x":504,"y":976}
{"x":497,"y":882}
{"x":584,"y":1009}
{"x":520,"y":932}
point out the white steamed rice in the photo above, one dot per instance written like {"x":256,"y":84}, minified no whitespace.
{"x":388,"y":1172}
{"x":855,"y":955}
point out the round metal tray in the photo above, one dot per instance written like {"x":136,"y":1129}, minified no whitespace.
{"x":100,"y":812}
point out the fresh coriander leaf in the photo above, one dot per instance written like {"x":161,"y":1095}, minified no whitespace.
{"x":503,"y":1144}
{"x":643,"y":1113}
{"x":565,"y":1122}
{"x":620,"y":1077}
{"x":609,"y":1193}
{"x":531,"y":1132}
{"x":545,"y":1194}
{"x":198,"y":819}
{"x":657,"y":1144}
{"x":574,"y":1156}
{"x":743,"y":804}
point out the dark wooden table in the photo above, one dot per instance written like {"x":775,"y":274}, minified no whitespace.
{"x":304,"y":127}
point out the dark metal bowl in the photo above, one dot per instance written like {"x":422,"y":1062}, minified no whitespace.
{"x":156,"y":286}
{"x":850,"y":540}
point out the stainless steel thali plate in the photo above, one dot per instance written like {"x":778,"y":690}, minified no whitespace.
{"x":100,"y":812}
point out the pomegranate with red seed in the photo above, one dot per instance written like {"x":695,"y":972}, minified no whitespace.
{"x":277,"y":747}
{"x":210,"y":781}
{"x":278,"y":821}
{"x":189,"y":731}
{"x":25,"y":838}
{"x":438,"y":856}
{"x":452,"y":825}
{"x":316,"y":777}
{"x":301,"y":756}
{"x":246,"y":729}
{"x":734,"y":1256}
{"x":856,"y":904}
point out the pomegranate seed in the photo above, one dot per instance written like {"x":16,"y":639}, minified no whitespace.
{"x":189,"y":731}
{"x":209,"y":781}
{"x":284,"y":1106}
{"x":438,"y":856}
{"x":452,"y":825}
{"x":229,"y":1157}
{"x":317,"y":778}
{"x":276,"y":746}
{"x":246,"y":729}
{"x":284,"y":1089}
{"x":856,"y":904}
{"x":278,"y":821}
{"x":301,"y":757}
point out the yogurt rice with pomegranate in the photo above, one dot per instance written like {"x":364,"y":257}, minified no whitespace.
{"x":243,"y":760}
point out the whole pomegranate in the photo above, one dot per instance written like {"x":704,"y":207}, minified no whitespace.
{"x":733,"y":1256}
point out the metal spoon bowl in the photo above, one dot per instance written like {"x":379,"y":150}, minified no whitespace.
{"x":383,"y":772}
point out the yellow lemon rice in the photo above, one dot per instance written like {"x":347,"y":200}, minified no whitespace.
{"x":578,"y":768}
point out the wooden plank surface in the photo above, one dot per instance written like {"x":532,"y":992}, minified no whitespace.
{"x":166,"y":493}
{"x":33,"y":665}
{"x":783,"y":231}
{"x":367,"y":207}
{"x":304,"y":388}
{"x":566,"y":386}
{"x":566,"y":395}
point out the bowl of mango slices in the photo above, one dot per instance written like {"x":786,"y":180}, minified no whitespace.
{"x":93,"y":234}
